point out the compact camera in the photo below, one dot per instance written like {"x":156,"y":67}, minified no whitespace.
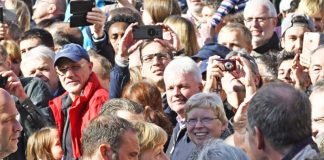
{"x":229,"y":64}
{"x":148,"y":32}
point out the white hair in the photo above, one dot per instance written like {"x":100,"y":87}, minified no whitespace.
{"x":251,"y":4}
{"x":182,"y":65}
{"x":39,"y":52}
{"x":217,"y":149}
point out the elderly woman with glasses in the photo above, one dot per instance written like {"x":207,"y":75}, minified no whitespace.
{"x":205,"y":117}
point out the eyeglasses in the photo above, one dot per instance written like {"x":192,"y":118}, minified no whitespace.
{"x":259,"y":19}
{"x":205,"y":121}
{"x":159,"y":56}
{"x":73,"y":68}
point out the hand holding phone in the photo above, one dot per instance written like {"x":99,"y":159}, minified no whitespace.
{"x":148,"y":32}
{"x":79,"y":10}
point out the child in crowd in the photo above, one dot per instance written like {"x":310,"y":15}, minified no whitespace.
{"x":44,"y":144}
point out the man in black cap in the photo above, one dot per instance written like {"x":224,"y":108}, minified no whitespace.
{"x":83,"y":98}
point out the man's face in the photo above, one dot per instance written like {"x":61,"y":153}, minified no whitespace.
{"x":129,"y":148}
{"x":41,"y":10}
{"x":116,"y":32}
{"x":285,"y":72}
{"x":179,"y":88}
{"x":28,"y":44}
{"x":317,"y":112}
{"x":42,"y":68}
{"x":316,"y":70}
{"x":155,"y":58}
{"x":10,"y":128}
{"x":207,"y":126}
{"x":73,"y":75}
{"x":252,"y":142}
{"x":234,"y":40}
{"x":259,"y":22}
{"x":293,"y":39}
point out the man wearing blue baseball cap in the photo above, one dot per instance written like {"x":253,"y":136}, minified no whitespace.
{"x":83,"y":98}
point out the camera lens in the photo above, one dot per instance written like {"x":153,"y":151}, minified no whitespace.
{"x":151,"y":32}
{"x":229,"y":66}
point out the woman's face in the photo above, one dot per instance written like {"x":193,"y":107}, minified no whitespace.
{"x":202,"y":124}
{"x":56,"y":148}
{"x":155,"y":153}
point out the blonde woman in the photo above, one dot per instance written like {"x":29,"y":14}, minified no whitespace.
{"x":152,"y":139}
{"x":156,"y":11}
{"x":186,"y":33}
{"x":45,"y":145}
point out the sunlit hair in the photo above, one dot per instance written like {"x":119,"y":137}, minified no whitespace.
{"x":311,"y":8}
{"x":148,"y":94}
{"x":266,"y":3}
{"x":186,"y":33}
{"x":149,"y":135}
{"x":161,"y":9}
{"x":39,"y":144}
{"x":183,"y":65}
{"x":230,"y":27}
{"x":12,"y":48}
{"x":206,"y":101}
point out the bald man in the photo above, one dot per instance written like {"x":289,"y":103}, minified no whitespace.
{"x":10,"y":128}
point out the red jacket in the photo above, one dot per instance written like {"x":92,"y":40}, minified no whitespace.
{"x":83,"y":109}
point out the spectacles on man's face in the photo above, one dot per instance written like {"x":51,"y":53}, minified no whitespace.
{"x":160,"y":56}
{"x":61,"y":71}
{"x":258,"y":19}
{"x":205,"y":121}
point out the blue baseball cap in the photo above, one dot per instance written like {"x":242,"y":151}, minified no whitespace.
{"x":203,"y":66}
{"x":73,"y":52}
{"x":209,"y":50}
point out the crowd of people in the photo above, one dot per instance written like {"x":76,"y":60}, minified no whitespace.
{"x":229,"y":79}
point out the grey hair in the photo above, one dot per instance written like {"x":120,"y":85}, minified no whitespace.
{"x":318,"y":87}
{"x":206,"y":100}
{"x":38,"y":52}
{"x":217,"y":149}
{"x":183,"y":65}
{"x":111,"y":107}
{"x":266,"y":3}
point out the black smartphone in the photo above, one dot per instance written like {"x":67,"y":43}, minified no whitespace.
{"x":148,"y":32}
{"x":3,"y":81}
{"x":79,"y":10}
{"x":1,"y":14}
{"x":81,"y":7}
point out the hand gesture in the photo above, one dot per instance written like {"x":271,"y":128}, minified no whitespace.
{"x":214,"y":74}
{"x":14,"y":85}
{"x":3,"y":31}
{"x":127,"y":43}
{"x":98,"y":19}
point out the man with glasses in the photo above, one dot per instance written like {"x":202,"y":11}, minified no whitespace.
{"x":260,"y":17}
{"x":48,"y":9}
{"x":293,"y":28}
{"x":83,"y":98}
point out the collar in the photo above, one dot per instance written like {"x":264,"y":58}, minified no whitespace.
{"x":298,"y":147}
{"x":272,"y":44}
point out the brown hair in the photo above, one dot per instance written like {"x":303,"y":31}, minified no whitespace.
{"x":39,"y":145}
{"x":161,"y":9}
{"x":148,"y":94}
